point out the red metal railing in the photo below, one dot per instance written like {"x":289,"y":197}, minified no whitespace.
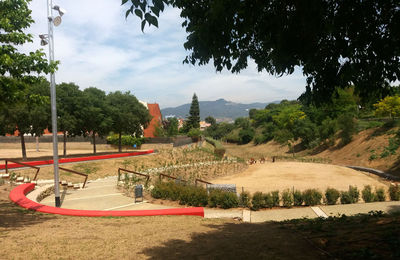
{"x":199,"y":180}
{"x":162,"y":175}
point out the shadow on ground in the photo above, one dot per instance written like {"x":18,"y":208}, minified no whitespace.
{"x":13,"y":216}
{"x":239,"y":241}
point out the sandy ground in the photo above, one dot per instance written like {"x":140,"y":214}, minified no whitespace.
{"x":286,"y":175}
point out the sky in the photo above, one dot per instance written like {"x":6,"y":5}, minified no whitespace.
{"x":98,"y":47}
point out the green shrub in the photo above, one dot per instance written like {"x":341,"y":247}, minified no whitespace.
{"x":367,"y":194}
{"x":380,"y":194}
{"x":244,"y":199}
{"x":195,"y":134}
{"x":228,"y":200}
{"x":246,"y":135}
{"x":394,"y":192}
{"x":345,"y":197}
{"x":156,"y":192}
{"x":268,"y":200}
{"x":354,"y":194}
{"x":125,"y":140}
{"x":197,"y":196}
{"x":219,"y":149}
{"x":331,"y":195}
{"x":214,"y":197}
{"x":275,"y":198}
{"x":258,"y":201}
{"x":312,"y":197}
{"x":287,"y":198}
{"x":297,"y":198}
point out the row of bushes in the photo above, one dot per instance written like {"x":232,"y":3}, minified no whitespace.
{"x":194,"y":196}
{"x":219,"y":149}
{"x":198,"y":196}
{"x":125,"y":140}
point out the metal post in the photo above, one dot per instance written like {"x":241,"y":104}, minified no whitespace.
{"x":53,"y":104}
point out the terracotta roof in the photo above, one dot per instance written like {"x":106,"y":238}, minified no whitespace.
{"x":155,"y":112}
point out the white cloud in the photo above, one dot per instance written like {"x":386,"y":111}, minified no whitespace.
{"x":98,"y":47}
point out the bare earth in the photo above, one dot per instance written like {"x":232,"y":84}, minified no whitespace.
{"x":286,"y":175}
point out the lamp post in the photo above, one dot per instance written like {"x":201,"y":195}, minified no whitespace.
{"x":49,"y":39}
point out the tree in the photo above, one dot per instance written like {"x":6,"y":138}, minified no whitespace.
{"x":172,"y":126}
{"x":210,"y":120}
{"x":194,"y":114}
{"x":68,"y":96}
{"x":127,"y":114}
{"x":17,"y":69}
{"x":389,"y":106}
{"x":93,"y":112}
{"x":342,"y":42}
{"x":31,"y":115}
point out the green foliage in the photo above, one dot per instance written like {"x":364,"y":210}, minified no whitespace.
{"x":350,"y":196}
{"x":391,"y":149}
{"x":275,"y":198}
{"x":229,"y":200}
{"x":380,"y":194}
{"x":244,"y":199}
{"x":127,"y":114}
{"x":354,"y":194}
{"x":331,"y":195}
{"x":394,"y":192}
{"x":246,"y":135}
{"x":219,"y":149}
{"x":312,"y":197}
{"x":389,"y":106}
{"x":172,"y":126}
{"x":367,"y":194}
{"x":125,"y":140}
{"x":347,"y":126}
{"x":298,"y":198}
{"x":194,"y":133}
{"x":345,"y":197}
{"x":287,"y":198}
{"x":194,"y":114}
{"x":258,"y":201}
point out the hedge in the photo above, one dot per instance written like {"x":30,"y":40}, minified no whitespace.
{"x":219,"y":149}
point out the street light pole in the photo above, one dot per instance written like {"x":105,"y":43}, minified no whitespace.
{"x":53,"y":104}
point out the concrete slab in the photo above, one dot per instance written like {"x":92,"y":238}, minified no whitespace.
{"x":223,"y":213}
{"x":352,"y":209}
{"x":282,"y":214}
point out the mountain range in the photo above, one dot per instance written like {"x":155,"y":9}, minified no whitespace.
{"x":220,"y":109}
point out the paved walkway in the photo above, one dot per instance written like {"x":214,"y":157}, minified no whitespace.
{"x":104,"y":195}
{"x":99,"y":195}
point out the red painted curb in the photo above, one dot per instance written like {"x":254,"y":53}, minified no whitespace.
{"x":77,"y":159}
{"x":17,"y":195}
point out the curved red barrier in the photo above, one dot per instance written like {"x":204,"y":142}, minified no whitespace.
{"x":77,"y":159}
{"x":17,"y":195}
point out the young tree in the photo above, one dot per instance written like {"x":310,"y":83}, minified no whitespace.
{"x":343,"y":42}
{"x":17,"y":69}
{"x":127,"y":114}
{"x":172,"y":126}
{"x":194,"y":114}
{"x":93,"y":114}
{"x":30,"y":115}
{"x":389,"y":106}
{"x":68,"y":95}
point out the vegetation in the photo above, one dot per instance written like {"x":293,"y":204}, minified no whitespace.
{"x":193,"y":121}
{"x":332,"y":55}
{"x":332,"y":195}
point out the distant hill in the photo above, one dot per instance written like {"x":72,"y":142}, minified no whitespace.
{"x":220,"y":109}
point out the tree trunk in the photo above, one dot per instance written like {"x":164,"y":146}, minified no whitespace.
{"x":65,"y":143}
{"x":94,"y":142}
{"x":23,"y":146}
{"x":37,"y":143}
{"x":119,"y":142}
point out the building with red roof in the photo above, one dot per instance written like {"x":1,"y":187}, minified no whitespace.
{"x":156,"y":121}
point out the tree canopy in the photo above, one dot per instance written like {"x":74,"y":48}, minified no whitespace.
{"x":336,"y":43}
{"x":17,"y":69}
{"x":194,"y":114}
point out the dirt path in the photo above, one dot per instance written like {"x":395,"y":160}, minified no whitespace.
{"x":286,"y":175}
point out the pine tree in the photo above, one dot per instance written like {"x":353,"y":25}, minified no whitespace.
{"x":194,"y":114}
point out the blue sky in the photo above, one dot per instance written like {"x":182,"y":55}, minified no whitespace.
{"x":98,"y":47}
